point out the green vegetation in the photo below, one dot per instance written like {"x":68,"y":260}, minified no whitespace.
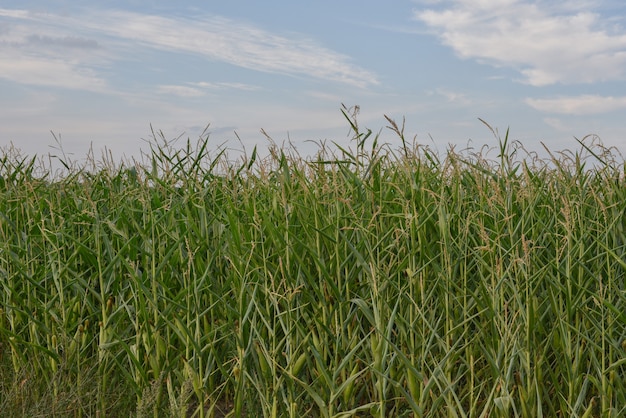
{"x":360,"y":282}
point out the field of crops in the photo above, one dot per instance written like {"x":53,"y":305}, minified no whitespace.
{"x":363,"y":281}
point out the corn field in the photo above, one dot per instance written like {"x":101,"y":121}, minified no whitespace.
{"x":364,"y":281}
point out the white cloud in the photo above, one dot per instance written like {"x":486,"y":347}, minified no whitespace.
{"x":40,"y":71}
{"x":451,"y":96}
{"x":545,"y":43}
{"x":225,"y":85}
{"x":42,"y":54}
{"x":324,"y":96}
{"x":213,"y":37}
{"x":236,"y":43}
{"x":71,"y":42}
{"x":182,"y":91}
{"x":556,"y":124}
{"x":14,"y":13}
{"x":202,"y":87}
{"x":578,"y":105}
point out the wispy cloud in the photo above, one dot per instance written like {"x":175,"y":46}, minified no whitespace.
{"x":578,"y":105}
{"x":14,"y":13}
{"x":202,"y":88}
{"x":225,"y":85}
{"x":324,"y":96}
{"x":212,"y":37}
{"x":557,"y":124}
{"x":44,"y":71}
{"x":451,"y":96}
{"x":40,"y":53}
{"x":72,"y":42}
{"x":546,"y":42}
{"x":181,"y":91}
{"x":240,"y":44}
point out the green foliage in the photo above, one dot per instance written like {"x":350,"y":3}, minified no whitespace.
{"x":365,"y":282}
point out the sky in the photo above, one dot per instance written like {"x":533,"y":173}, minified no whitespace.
{"x":105,"y":75}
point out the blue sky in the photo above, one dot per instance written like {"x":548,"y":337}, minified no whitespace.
{"x":100,"y":74}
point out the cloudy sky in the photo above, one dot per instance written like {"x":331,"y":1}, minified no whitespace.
{"x":101,"y":74}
